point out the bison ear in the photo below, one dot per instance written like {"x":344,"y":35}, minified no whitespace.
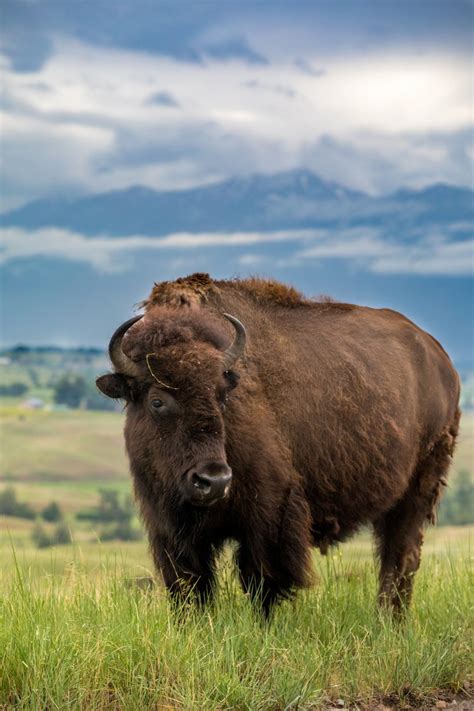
{"x":113,"y":385}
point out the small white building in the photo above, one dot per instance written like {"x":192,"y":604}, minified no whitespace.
{"x":33,"y":403}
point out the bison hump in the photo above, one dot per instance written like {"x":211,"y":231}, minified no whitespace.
{"x":190,"y":291}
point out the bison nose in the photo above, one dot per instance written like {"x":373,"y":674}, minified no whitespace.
{"x":208,"y":483}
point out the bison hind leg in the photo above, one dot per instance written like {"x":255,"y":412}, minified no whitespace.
{"x":400,"y":531}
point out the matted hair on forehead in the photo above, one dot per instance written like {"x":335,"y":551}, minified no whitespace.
{"x":165,"y":326}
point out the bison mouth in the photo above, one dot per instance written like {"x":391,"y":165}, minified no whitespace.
{"x":206,"y":503}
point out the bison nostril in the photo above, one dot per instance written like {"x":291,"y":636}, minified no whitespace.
{"x":208,"y":483}
{"x":200,"y":483}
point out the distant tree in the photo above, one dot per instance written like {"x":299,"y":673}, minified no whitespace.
{"x":70,"y":390}
{"x":40,"y":537}
{"x":457,"y":506}
{"x":74,"y":390}
{"x":464,"y":497}
{"x":19,"y":349}
{"x":14,"y":389}
{"x":122,"y":531}
{"x":10,"y":506}
{"x":8,"y":501}
{"x":62,"y":534}
{"x":109,"y":508}
{"x":95,"y":400}
{"x":34,"y":377}
{"x":122,"y":516}
{"x":52,"y":512}
{"x":117,"y":516}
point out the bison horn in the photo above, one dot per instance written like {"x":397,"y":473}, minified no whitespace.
{"x":236,"y":349}
{"x":120,"y":361}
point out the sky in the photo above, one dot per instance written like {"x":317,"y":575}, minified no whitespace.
{"x":99,"y":95}
{"x":103,"y":95}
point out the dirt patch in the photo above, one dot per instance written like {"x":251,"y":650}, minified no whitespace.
{"x":461,"y":701}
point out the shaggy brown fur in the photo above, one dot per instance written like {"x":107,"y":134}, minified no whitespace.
{"x":338,"y":416}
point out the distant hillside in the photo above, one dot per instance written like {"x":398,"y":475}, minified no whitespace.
{"x":34,"y":372}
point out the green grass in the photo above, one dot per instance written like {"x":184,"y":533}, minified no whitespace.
{"x":91,"y":555}
{"x":88,"y":639}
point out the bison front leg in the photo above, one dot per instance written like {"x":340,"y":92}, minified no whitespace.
{"x":273,"y":577}
{"x":258,"y":585}
{"x":274,"y":559}
{"x":185,"y":580}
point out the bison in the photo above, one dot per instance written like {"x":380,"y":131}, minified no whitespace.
{"x":256,"y":415}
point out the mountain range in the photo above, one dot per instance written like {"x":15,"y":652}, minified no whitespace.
{"x":291,"y":200}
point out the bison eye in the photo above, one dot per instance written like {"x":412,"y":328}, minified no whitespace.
{"x":157,"y":404}
{"x":232,"y":379}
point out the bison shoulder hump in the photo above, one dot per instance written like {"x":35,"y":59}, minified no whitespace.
{"x":188,"y":291}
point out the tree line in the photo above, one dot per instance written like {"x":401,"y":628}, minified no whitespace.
{"x":114,"y":517}
{"x":71,"y":389}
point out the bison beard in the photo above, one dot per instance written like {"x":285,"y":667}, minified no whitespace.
{"x":319,"y":418}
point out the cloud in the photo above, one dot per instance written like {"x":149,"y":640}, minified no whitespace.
{"x":234,"y":48}
{"x":39,"y":156}
{"x":252,"y":260}
{"x":375,"y":163}
{"x":277,"y":88}
{"x":366,"y":248}
{"x":374,"y":120}
{"x":363,"y":247}
{"x":110,"y":254}
{"x":163,"y":98}
{"x":307,"y":68}
{"x":273,"y":30}
{"x":456,"y":259}
{"x":204,"y":29}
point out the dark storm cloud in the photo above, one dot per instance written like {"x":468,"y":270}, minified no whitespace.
{"x":153,"y":26}
{"x":157,"y":26}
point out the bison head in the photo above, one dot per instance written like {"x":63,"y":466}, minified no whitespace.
{"x":176,"y":374}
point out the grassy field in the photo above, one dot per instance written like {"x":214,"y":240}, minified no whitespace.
{"x":66,"y":446}
{"x":77,"y":632}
